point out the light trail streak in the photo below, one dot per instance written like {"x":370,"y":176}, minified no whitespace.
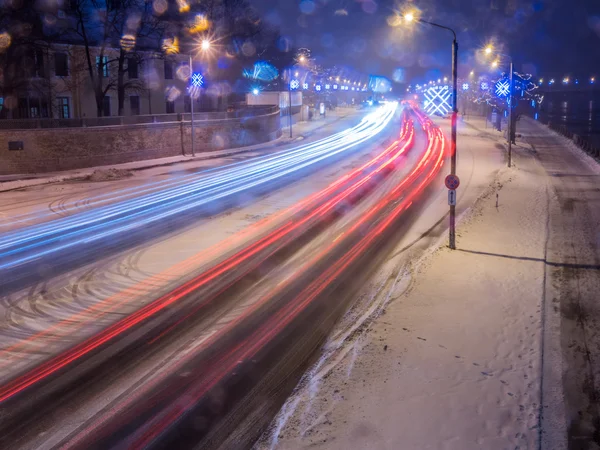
{"x":107,"y":221}
{"x":313,"y":211}
{"x":378,"y":219}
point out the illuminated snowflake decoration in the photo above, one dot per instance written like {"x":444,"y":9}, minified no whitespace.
{"x":197,"y":80}
{"x":327,"y":86}
{"x":294,"y":84}
{"x":484,"y":86}
{"x":318,"y":87}
{"x":335,"y":86}
{"x":465,"y":86}
{"x":437,"y":100}
{"x":305,"y":86}
{"x":502,"y":88}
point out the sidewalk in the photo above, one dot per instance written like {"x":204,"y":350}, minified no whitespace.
{"x":301,"y":131}
{"x":458,"y":358}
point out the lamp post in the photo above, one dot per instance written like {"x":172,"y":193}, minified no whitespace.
{"x":205,"y":45}
{"x":410,"y":17}
{"x":511,"y":97}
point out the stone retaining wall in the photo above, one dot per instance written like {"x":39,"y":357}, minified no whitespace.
{"x":50,"y":150}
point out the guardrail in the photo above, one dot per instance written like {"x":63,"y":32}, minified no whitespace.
{"x":583,"y":143}
{"x":28,"y":124}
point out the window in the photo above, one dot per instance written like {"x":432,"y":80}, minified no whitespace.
{"x":187,"y":105}
{"x":61,"y":65}
{"x":106,"y":106}
{"x":168,"y":70}
{"x":64,"y":111}
{"x":36,"y":67}
{"x":132,"y":68}
{"x":134,"y":105}
{"x":170,"y":107}
{"x":34,"y":108}
{"x":102,"y":65}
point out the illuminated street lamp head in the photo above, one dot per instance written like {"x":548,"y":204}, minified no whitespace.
{"x":472,"y":73}
{"x":495,"y":64}
{"x":488,"y":50}
{"x":205,"y":44}
{"x":302,"y":58}
{"x":409,"y":17}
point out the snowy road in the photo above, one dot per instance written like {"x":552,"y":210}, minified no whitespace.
{"x":133,"y":298}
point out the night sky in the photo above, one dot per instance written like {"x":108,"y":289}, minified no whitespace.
{"x":545,"y":37}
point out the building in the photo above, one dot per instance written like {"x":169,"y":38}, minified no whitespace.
{"x":56,"y":83}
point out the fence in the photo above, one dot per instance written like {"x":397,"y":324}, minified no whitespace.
{"x":583,"y":143}
{"x":29,"y":124}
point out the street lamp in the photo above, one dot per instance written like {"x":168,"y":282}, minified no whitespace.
{"x":488,"y":50}
{"x":205,"y":46}
{"x":410,"y":17}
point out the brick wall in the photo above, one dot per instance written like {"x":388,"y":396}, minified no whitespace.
{"x":50,"y":150}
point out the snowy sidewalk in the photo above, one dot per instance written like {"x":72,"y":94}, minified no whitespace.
{"x":455,"y":362}
{"x":301,"y":131}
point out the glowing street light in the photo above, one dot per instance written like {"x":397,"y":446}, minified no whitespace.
{"x":411,"y":16}
{"x":196,"y":83}
{"x":255,"y":91}
{"x":472,"y":73}
{"x":511,"y":86}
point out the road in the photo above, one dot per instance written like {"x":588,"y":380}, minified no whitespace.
{"x":118,"y":361}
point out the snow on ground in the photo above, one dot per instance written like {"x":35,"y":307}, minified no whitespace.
{"x":452,"y":354}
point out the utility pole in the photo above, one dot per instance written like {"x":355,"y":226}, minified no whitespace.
{"x":452,"y":234}
{"x":290,"y":99}
{"x":191,"y":91}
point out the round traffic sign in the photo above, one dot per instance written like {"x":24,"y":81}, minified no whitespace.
{"x":452,"y":182}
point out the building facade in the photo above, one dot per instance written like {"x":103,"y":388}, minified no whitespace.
{"x":57,"y":84}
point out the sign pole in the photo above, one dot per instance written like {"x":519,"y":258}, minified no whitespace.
{"x":510,"y":115}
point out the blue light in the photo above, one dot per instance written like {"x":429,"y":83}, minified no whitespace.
{"x":305,"y":86}
{"x":536,"y":116}
{"x":294,"y":84}
{"x":335,"y":86}
{"x":484,"y":86}
{"x":533,"y":103}
{"x":255,"y":91}
{"x":502,"y":88}
{"x":465,"y":86}
{"x":327,"y":86}
{"x":197,"y":80}
{"x":437,"y":100}
{"x":318,"y":87}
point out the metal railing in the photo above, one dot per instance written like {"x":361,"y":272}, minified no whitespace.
{"x":29,"y":124}
{"x":583,"y":143}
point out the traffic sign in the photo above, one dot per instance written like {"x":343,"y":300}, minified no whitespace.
{"x":452,"y":182}
{"x":452,"y":197}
